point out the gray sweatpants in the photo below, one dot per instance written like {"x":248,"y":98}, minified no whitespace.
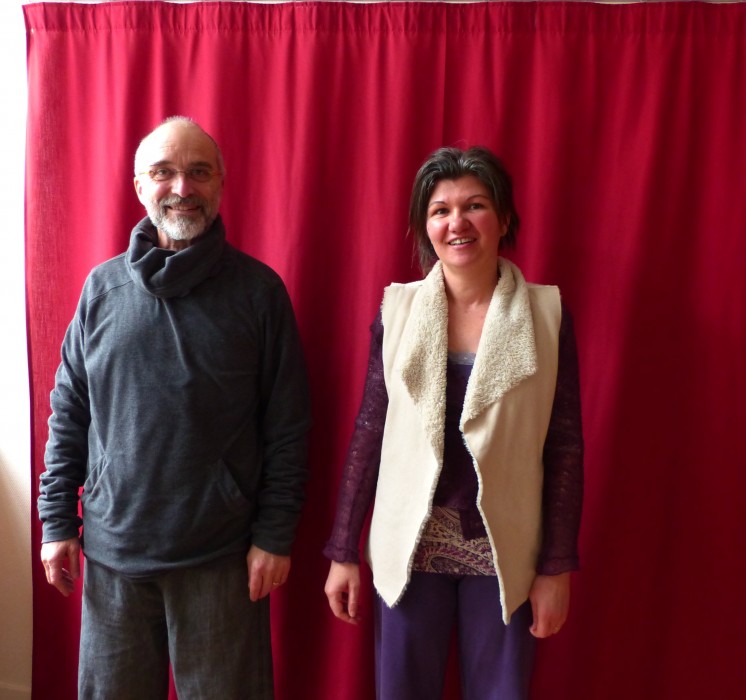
{"x":199,"y":619}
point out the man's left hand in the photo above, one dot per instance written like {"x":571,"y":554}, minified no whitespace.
{"x":266,"y":572}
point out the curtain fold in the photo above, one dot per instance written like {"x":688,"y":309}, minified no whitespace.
{"x":623,"y":128}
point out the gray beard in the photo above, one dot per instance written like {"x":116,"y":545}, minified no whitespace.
{"x":178,"y":229}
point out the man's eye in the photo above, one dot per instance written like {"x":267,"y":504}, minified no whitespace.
{"x":161,"y":173}
{"x":200,"y":174}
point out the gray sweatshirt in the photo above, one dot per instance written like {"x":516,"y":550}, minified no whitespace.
{"x":181,"y":407}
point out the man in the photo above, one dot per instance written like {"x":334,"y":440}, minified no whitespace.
{"x":181,"y":408}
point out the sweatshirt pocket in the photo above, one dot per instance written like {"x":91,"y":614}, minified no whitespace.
{"x":232,"y":495}
{"x":94,"y":476}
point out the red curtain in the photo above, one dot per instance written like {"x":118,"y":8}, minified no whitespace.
{"x":624,"y":128}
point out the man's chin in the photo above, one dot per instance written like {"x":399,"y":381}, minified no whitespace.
{"x":186,"y":232}
{"x":182,"y":235}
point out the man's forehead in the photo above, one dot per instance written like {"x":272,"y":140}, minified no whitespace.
{"x":178,"y":141}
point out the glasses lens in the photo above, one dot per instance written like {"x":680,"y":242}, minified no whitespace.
{"x":199,"y":174}
{"x":166,"y":174}
{"x":162,"y":174}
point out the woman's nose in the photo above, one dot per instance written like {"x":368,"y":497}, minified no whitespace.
{"x":456,"y":222}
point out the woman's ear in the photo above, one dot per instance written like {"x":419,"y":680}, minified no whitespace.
{"x":504,"y":226}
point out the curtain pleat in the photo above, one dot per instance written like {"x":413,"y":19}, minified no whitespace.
{"x":623,"y":127}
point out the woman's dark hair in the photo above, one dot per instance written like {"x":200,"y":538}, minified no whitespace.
{"x":452,"y":164}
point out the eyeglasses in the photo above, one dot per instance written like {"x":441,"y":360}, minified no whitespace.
{"x":198,"y":174}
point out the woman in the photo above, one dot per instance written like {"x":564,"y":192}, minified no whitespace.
{"x":469,"y":436}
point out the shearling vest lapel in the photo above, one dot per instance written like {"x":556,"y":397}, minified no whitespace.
{"x":421,"y":360}
{"x":507,"y":348}
{"x":506,"y":353}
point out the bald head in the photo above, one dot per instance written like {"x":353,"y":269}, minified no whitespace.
{"x":165,"y":130}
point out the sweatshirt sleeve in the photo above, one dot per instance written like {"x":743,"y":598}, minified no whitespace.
{"x":563,"y":463}
{"x":66,"y":452}
{"x":284,"y":421}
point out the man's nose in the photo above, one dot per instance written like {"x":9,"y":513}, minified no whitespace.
{"x":181,"y":185}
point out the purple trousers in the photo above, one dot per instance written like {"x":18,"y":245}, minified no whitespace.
{"x":413,"y":639}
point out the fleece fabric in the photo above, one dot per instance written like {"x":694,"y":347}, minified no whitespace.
{"x":181,"y":407}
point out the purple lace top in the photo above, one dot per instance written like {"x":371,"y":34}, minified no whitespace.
{"x":454,"y":502}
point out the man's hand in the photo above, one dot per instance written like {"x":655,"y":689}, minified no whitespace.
{"x":54,"y":555}
{"x":266,"y":572}
{"x":550,"y":603}
{"x":343,"y":591}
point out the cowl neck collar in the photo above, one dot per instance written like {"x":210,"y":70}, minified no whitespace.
{"x":170,"y":273}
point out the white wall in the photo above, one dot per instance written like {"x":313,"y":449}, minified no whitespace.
{"x":15,"y":469}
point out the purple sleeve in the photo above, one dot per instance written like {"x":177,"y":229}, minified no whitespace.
{"x":563,"y":463}
{"x":360,"y":472}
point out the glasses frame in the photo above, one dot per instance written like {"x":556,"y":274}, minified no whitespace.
{"x":188,"y":174}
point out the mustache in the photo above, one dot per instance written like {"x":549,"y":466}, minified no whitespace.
{"x":174,"y":199}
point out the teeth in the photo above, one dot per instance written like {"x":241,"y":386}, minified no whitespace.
{"x":460,"y":241}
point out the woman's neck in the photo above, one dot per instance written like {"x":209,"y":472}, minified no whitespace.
{"x":468,"y":289}
{"x":468,"y":301}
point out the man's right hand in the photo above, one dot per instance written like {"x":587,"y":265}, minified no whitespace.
{"x":54,"y":555}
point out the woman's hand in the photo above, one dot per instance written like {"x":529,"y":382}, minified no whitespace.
{"x":343,"y":591}
{"x":550,"y":603}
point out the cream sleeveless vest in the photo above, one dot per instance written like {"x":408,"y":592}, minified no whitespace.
{"x":504,"y":422}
